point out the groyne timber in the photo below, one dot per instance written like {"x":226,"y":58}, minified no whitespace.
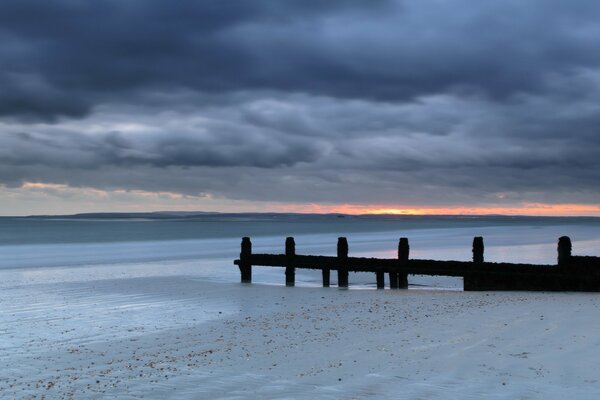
{"x":570,"y":273}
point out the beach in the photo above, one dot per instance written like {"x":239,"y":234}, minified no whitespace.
{"x":276,"y":342}
{"x":182,"y":326}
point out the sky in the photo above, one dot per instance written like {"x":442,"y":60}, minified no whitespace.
{"x":401,"y":106}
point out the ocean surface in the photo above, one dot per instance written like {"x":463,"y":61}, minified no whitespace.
{"x":205,"y":246}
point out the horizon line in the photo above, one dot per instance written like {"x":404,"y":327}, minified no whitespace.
{"x":350,"y":214}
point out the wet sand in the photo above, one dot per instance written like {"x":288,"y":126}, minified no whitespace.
{"x":176,"y":335}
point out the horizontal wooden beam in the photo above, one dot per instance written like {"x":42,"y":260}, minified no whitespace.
{"x":412,"y":266}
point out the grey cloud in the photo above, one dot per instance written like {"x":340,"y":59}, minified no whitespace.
{"x":29,"y":97}
{"x":301,"y":148}
{"x":95,"y":53}
{"x":219,"y":146}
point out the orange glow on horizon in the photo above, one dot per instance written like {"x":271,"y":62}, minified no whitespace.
{"x":533,"y":209}
{"x":88,"y":199}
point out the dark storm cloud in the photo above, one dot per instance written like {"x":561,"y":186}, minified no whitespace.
{"x":443,"y":150}
{"x":300,"y":100}
{"x":83,"y":53}
{"x":79,"y":54}
{"x":219,"y":146}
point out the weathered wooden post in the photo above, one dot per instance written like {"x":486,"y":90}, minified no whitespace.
{"x":393,"y":279}
{"x":403,"y":250}
{"x":290,"y":270}
{"x":380,"y":275}
{"x":564,"y":250}
{"x":394,"y":275}
{"x":245,"y":266}
{"x":474,"y":280}
{"x":478,"y":249}
{"x":326,"y":274}
{"x":342,"y":253}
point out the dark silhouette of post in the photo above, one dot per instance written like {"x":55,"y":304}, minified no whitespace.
{"x":403,"y":252}
{"x":326,"y":274}
{"x":393,"y":279}
{"x":478,"y":249}
{"x":380,"y":275}
{"x":245,"y":266}
{"x":342,"y":253}
{"x":394,"y":274}
{"x":290,"y":252}
{"x":564,"y":250}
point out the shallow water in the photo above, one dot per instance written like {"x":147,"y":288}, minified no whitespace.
{"x":39,"y":251}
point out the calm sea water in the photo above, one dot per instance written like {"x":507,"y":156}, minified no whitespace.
{"x":205,"y":247}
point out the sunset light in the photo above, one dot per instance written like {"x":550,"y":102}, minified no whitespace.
{"x":534,"y":209}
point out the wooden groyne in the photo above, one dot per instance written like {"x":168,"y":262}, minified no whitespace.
{"x":571,"y":273}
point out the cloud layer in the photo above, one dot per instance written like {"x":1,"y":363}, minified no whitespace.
{"x":388,"y":102}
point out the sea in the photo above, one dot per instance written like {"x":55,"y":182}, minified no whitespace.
{"x":204,"y":246}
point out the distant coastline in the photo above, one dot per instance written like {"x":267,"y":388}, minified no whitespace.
{"x":178,"y":215}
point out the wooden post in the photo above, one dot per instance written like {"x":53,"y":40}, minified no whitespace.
{"x":326,"y":274}
{"x":403,"y":252}
{"x":380,"y":279}
{"x":245,"y":266}
{"x":290,"y":271}
{"x":393,"y":279}
{"x":478,"y":249}
{"x":394,"y":275}
{"x":564,"y":250}
{"x":342,"y":253}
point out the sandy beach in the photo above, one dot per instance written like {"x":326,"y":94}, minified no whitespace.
{"x":176,"y":335}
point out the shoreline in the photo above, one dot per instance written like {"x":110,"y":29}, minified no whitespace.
{"x":235,"y":341}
